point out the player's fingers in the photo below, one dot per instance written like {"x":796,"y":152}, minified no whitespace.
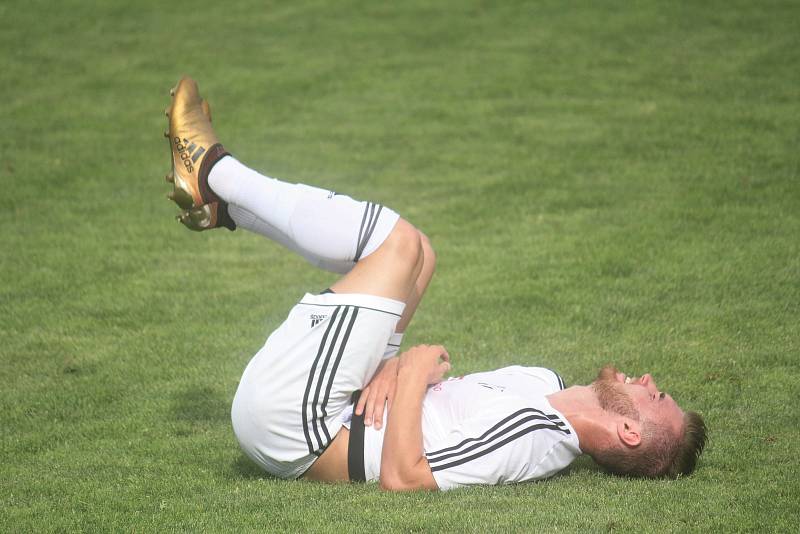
{"x":377,"y":419}
{"x":362,"y":400}
{"x":383,"y":402}
{"x":369,"y":410}
{"x":443,"y":354}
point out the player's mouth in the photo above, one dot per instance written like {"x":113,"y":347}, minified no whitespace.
{"x":622,"y":377}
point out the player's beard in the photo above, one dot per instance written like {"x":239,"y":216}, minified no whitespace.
{"x":610,"y":395}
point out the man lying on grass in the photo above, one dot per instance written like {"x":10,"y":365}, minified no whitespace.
{"x":297,"y":412}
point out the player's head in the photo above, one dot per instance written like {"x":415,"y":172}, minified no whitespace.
{"x":655,"y":437}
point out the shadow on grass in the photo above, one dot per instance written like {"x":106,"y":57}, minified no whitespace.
{"x":200,"y":404}
{"x":243,"y":467}
{"x":199,"y":409}
{"x":583,"y":464}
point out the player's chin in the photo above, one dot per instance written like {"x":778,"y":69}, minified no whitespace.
{"x":609,"y":372}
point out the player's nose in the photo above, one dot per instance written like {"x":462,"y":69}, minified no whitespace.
{"x":648,"y":382}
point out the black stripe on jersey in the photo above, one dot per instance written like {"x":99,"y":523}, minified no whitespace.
{"x":534,"y":413}
{"x":558,"y":377}
{"x":496,"y":445}
{"x":509,"y":424}
{"x":310,"y":382}
{"x":333,"y":371}
{"x":517,"y":424}
{"x":316,"y":423}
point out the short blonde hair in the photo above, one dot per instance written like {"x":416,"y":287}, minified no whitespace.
{"x":660,"y":455}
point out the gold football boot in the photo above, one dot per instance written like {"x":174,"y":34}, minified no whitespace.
{"x":207,"y":217}
{"x":195,"y":149}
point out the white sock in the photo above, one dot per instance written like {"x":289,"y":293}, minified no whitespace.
{"x":331,"y":231}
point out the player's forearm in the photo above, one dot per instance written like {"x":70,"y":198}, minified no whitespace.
{"x":403,"y":464}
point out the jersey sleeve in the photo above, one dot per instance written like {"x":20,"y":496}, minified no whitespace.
{"x":503,"y":443}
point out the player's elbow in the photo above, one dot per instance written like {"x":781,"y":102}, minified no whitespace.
{"x":417,"y":477}
{"x":398,"y":483}
{"x":391,"y":483}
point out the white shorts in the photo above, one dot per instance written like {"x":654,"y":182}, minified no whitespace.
{"x":291,"y":396}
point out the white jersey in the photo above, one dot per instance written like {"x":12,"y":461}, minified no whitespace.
{"x":495,"y":427}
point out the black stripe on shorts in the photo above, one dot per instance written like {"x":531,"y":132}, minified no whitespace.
{"x":317,"y":423}
{"x":322,"y":376}
{"x":335,"y":368}
{"x":308,"y":422}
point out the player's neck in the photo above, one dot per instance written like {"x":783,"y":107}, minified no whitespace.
{"x":580,"y":406}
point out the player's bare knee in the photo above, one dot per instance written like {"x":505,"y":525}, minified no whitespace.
{"x":429,"y":255}
{"x":405,"y":244}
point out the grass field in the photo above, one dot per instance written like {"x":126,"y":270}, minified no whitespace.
{"x":603,"y":182}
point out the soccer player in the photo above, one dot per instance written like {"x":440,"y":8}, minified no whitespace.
{"x":297,"y":411}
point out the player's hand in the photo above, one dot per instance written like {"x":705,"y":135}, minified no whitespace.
{"x":378,"y":393}
{"x":431,"y":362}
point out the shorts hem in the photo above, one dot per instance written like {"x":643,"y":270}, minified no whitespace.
{"x":359,"y":300}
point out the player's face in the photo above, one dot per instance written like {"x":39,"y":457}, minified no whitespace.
{"x":611,"y":396}
{"x":649,"y":401}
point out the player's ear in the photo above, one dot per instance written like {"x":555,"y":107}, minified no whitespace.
{"x":629,"y":432}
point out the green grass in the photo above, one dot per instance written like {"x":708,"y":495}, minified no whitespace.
{"x":615,"y":183}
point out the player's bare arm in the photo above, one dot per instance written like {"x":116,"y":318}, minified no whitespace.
{"x":403,"y":463}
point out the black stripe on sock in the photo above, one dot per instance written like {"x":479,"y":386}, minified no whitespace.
{"x":361,"y":230}
{"x":363,"y":238}
{"x":369,"y":232}
{"x":310,"y":381}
